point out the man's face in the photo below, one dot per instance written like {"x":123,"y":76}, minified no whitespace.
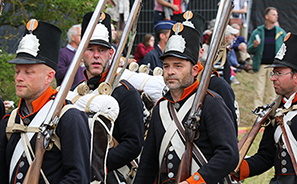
{"x":77,"y":37}
{"x":31,"y":80}
{"x":167,"y":36}
{"x":229,"y":39}
{"x":286,"y":83}
{"x":272,"y":16}
{"x":96,"y":59}
{"x":178,"y":73}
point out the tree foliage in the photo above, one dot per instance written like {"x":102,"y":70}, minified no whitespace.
{"x":7,"y":91}
{"x":62,"y":13}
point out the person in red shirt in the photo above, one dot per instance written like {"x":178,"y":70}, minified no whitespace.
{"x":144,"y":47}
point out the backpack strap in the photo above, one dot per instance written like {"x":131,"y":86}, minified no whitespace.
{"x":13,"y":127}
{"x":10,"y":123}
{"x":54,"y":135}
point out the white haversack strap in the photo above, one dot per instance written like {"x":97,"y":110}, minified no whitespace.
{"x":19,"y":149}
{"x":171,"y":135}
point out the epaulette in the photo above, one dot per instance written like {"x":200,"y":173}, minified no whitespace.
{"x":5,"y":116}
{"x":161,"y":99}
{"x":216,"y":73}
{"x":209,"y":92}
{"x":126,"y":84}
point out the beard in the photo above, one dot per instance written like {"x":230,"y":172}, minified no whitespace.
{"x":104,"y":67}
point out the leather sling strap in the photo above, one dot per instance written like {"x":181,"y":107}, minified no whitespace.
{"x":196,"y":150}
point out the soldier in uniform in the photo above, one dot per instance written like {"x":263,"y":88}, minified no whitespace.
{"x":68,"y":161}
{"x":273,"y":150}
{"x":129,"y":126}
{"x":162,"y":29}
{"x":164,"y":145}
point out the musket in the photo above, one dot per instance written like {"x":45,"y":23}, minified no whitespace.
{"x":107,"y":86}
{"x":192,"y":123}
{"x":280,"y":122}
{"x":43,"y":140}
{"x":263,"y":113}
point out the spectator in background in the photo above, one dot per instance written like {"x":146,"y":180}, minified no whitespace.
{"x":208,"y":32}
{"x":115,"y":44}
{"x":66,"y":55}
{"x":264,"y":43}
{"x":239,"y":12}
{"x":174,"y":14}
{"x":113,"y":36}
{"x":119,"y":12}
{"x":159,"y":10}
{"x":144,"y":47}
{"x":162,"y":29}
{"x":240,"y":48}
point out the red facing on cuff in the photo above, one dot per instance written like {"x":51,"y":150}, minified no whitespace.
{"x":244,"y":170}
{"x":196,"y":178}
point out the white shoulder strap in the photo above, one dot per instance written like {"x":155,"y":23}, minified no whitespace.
{"x":19,"y":148}
{"x":171,"y":135}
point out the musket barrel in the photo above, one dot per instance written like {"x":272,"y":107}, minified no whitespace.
{"x":116,"y":60}
{"x":69,"y":77}
{"x":223,"y":17}
{"x":34,"y":169}
{"x":222,"y":20}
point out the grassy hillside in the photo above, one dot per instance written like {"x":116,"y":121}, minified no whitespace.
{"x":244,"y":95}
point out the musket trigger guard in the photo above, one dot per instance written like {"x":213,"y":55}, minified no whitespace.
{"x":266,"y":123}
{"x":197,"y":134}
{"x":50,"y":145}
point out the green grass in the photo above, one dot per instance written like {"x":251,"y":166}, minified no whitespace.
{"x":244,"y":95}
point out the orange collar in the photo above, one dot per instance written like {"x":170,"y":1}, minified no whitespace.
{"x":41,"y":101}
{"x":189,"y":90}
{"x":186,"y":93}
{"x":294,"y":100}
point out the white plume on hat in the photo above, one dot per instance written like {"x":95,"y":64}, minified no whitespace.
{"x":100,"y":33}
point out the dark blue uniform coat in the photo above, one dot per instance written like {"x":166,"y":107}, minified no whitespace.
{"x":217,"y":141}
{"x":71,"y":164}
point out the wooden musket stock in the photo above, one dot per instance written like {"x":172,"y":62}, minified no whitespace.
{"x":192,"y":123}
{"x":44,"y":140}
{"x":245,"y":143}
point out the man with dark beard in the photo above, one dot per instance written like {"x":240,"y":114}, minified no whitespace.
{"x":164,"y":146}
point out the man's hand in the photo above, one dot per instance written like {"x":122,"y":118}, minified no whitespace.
{"x":184,"y":182}
{"x":175,"y":7}
{"x":8,"y":104}
{"x":256,"y":43}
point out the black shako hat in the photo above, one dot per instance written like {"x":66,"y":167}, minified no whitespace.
{"x":193,"y":20}
{"x":286,"y":55}
{"x":185,"y":39}
{"x":102,"y":31}
{"x":40,"y":44}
